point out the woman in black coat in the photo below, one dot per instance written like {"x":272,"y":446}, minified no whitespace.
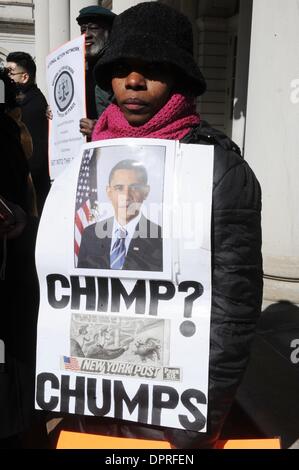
{"x":149,"y":64}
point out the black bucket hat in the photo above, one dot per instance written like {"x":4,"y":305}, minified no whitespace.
{"x":95,"y":13}
{"x":152,"y":32}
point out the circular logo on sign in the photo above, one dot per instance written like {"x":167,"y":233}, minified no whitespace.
{"x":64,"y":91}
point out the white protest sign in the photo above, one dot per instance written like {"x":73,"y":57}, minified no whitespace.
{"x":66,"y":88}
{"x":130,"y":342}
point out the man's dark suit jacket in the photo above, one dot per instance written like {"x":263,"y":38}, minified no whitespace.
{"x":144,"y":253}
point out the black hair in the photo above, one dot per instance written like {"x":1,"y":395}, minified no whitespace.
{"x":24,"y":60}
{"x":9,"y":89}
{"x":134,"y":165}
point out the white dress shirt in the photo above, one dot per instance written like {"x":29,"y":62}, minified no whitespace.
{"x":130,"y":227}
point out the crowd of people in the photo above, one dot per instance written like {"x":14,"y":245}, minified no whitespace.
{"x":141,"y":81}
{"x":24,"y":186}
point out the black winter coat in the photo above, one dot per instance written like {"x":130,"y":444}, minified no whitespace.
{"x":18,"y":293}
{"x":34,"y":105}
{"x":236,"y":293}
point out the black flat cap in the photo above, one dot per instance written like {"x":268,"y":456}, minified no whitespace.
{"x":95,"y":12}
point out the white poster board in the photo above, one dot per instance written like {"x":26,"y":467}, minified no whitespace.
{"x":66,"y":89}
{"x":133,"y":343}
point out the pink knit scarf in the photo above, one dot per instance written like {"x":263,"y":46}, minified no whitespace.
{"x":173,"y":122}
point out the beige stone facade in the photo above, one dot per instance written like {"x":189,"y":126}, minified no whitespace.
{"x":16,"y":27}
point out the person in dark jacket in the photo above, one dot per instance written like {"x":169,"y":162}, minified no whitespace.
{"x":22,"y":69}
{"x":149,"y":65}
{"x":95,"y":22}
{"x":18,"y":284}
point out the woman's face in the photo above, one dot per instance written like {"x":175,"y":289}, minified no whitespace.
{"x":141,"y":89}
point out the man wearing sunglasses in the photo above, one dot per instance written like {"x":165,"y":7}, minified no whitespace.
{"x":21,"y":69}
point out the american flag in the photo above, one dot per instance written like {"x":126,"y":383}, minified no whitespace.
{"x":71,"y":363}
{"x":85,"y":198}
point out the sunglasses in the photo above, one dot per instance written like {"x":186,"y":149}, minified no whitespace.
{"x":12,"y":74}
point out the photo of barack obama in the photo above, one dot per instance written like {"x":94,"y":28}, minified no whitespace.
{"x":127,"y":240}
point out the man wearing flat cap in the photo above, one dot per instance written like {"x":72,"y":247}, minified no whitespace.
{"x":95,"y":22}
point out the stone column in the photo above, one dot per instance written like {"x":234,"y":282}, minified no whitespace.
{"x":241,"y":80}
{"x":272,"y":139}
{"x":59,"y":22}
{"x":41,"y":14}
{"x":75,"y":6}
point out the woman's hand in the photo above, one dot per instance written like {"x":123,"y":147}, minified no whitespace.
{"x":86,"y":126}
{"x":49,"y":114}
{"x":12,"y":219}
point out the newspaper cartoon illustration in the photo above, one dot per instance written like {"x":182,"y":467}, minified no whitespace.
{"x":117,"y":345}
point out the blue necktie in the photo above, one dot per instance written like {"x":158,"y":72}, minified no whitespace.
{"x":118,"y":252}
